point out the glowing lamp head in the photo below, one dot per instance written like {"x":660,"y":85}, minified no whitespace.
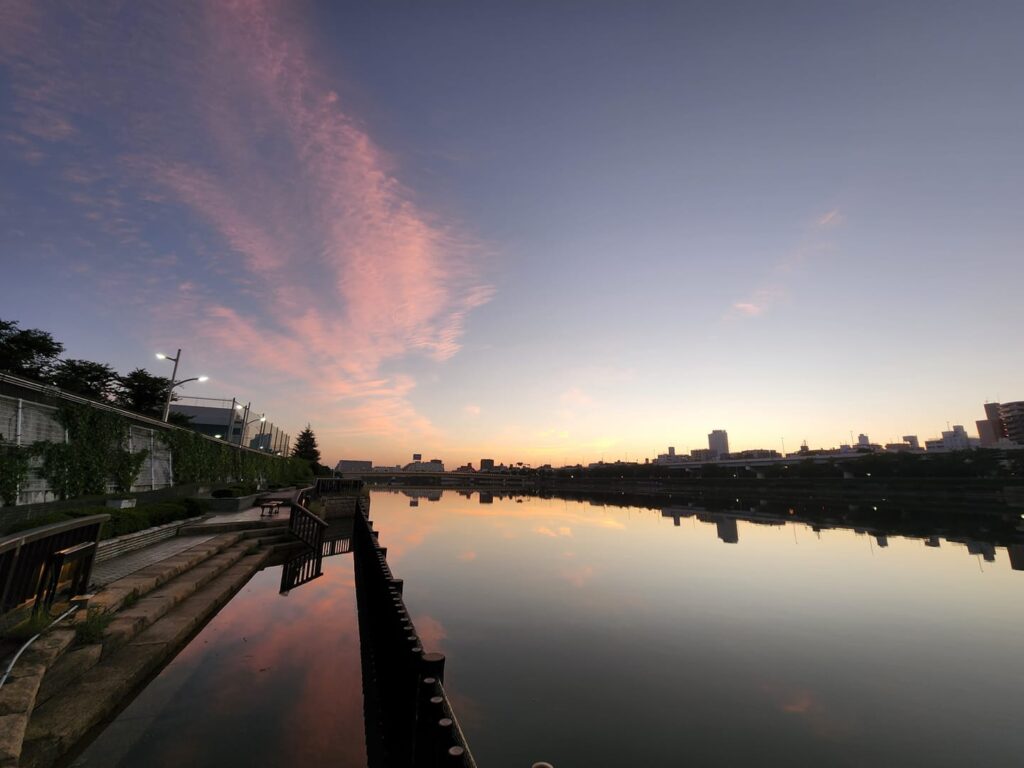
{"x":161,"y":356}
{"x":218,"y":436}
{"x":263,"y":418}
{"x":203,"y":378}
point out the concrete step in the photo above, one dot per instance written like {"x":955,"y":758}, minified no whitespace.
{"x":129,"y":622}
{"x":281,"y":538}
{"x":59,"y":725}
{"x":259,"y":533}
{"x":140,"y":583}
{"x":233,"y":526}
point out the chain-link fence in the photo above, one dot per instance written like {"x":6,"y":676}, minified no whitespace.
{"x":23,"y":422}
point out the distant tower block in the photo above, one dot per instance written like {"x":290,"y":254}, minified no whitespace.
{"x":718,"y":443}
{"x":417,"y":457}
{"x":671,"y":450}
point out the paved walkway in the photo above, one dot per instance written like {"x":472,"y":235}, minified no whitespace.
{"x":130,"y":562}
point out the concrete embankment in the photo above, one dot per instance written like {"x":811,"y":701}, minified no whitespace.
{"x":149,"y":616}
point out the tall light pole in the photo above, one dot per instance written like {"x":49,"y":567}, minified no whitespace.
{"x":174,"y":382}
{"x":262,"y":419}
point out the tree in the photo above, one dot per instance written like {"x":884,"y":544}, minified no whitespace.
{"x":142,"y":392}
{"x":85,"y":378}
{"x":30,"y":352}
{"x":305,"y":448}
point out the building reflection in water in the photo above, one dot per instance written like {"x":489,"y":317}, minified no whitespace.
{"x":982,"y":528}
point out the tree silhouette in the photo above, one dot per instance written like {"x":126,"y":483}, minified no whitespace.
{"x":142,"y":392}
{"x":305,"y":448}
{"x":27,"y":352}
{"x":85,"y":378}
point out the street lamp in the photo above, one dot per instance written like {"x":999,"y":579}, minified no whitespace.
{"x":173,"y":383}
{"x":245,"y":426}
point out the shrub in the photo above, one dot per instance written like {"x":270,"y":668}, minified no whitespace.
{"x":196,"y":507}
{"x":37,"y":522}
{"x":234,"y":492}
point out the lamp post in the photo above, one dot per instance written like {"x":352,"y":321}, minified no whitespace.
{"x":262,"y":419}
{"x":173,"y":382}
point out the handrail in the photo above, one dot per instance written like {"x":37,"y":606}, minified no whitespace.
{"x":15,"y":540}
{"x":306,"y":526}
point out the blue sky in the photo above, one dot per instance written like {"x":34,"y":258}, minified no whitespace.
{"x":534,"y":231}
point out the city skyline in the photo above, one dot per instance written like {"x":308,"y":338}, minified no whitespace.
{"x":796,"y":221}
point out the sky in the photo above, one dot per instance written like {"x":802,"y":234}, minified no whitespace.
{"x":530,"y":231}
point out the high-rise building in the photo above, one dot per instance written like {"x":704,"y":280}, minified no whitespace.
{"x":486,"y":464}
{"x":1012,"y":416}
{"x":991,"y":429}
{"x":718,"y":443}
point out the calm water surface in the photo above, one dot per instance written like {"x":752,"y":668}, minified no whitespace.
{"x":608,"y":636}
{"x":590,"y":635}
{"x":272,"y":680}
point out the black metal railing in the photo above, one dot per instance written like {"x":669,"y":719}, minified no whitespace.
{"x":33,"y":563}
{"x":306,"y":527}
{"x":300,"y":569}
{"x":330,"y":485}
{"x":409,"y":720}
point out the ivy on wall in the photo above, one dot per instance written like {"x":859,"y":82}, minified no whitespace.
{"x":199,"y":460}
{"x":14,"y":464}
{"x":96,"y":454}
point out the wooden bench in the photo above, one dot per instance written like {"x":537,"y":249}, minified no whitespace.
{"x":271,"y":506}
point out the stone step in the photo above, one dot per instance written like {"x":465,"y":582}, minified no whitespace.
{"x":232,"y":526}
{"x":281,"y":538}
{"x":129,"y":622}
{"x":58,"y":725}
{"x":142,"y":582}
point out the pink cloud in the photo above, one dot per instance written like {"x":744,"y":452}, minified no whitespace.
{"x":312,"y":263}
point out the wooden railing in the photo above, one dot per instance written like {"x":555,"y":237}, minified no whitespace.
{"x":27,"y":558}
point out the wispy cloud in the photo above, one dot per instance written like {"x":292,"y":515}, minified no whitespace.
{"x":471,"y":410}
{"x":774,"y":288}
{"x":318,"y":267}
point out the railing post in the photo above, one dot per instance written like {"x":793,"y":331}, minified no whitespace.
{"x":433,"y":665}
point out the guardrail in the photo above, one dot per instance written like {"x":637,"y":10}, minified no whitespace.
{"x":307,"y":527}
{"x":28,"y":560}
{"x":409,"y":718}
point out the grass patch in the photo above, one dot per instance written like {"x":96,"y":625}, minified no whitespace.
{"x":91,"y":629}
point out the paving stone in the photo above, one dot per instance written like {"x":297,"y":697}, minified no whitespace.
{"x":12,"y":731}
{"x":18,"y":694}
{"x":67,"y":669}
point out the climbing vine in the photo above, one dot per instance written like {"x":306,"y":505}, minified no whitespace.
{"x":14,"y":465}
{"x":95,"y":453}
{"x":197,"y":459}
